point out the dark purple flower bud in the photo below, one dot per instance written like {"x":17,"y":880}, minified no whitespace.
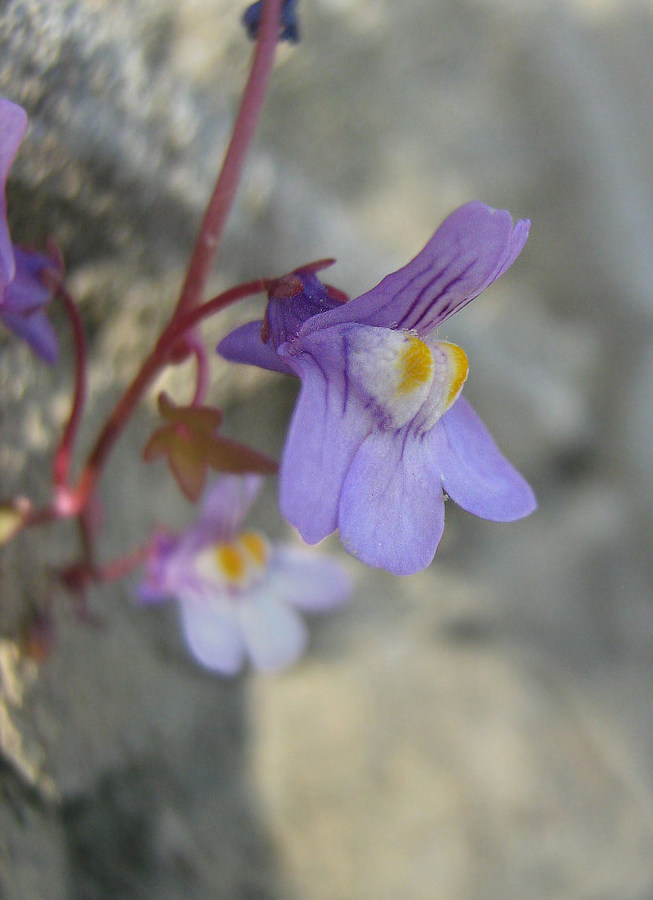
{"x":288,"y":25}
{"x":294,"y":299}
{"x":22,"y":307}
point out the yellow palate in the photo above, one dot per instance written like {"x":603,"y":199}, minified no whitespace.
{"x":230,"y":561}
{"x":415,"y":363}
{"x":255,"y":546}
{"x":458,"y":369}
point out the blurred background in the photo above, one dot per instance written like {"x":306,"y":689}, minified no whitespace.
{"x":481,"y":730}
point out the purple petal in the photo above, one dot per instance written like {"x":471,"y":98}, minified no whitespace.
{"x":516,"y":244}
{"x":170,"y":572}
{"x":213,"y":634}
{"x":328,"y":426}
{"x":274,"y":634}
{"x":469,"y":251}
{"x":226,"y":504}
{"x":476,"y":474}
{"x":392,"y":507}
{"x":148,"y":593}
{"x":308,"y":580}
{"x":244,"y":345}
{"x":35,"y":328}
{"x":27,"y":290}
{"x":13,"y":125}
{"x":158,"y":586}
{"x":21,"y":309}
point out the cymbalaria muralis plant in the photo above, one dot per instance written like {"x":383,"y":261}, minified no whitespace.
{"x":380,"y":435}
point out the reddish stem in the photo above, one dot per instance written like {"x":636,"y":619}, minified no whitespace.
{"x":221,"y":201}
{"x":113,"y":428}
{"x":202,"y":377}
{"x":87,"y":530}
{"x":121,"y":566}
{"x":187,"y":312}
{"x":203,"y":255}
{"x":211,"y":307}
{"x":41,"y":517}
{"x":63,"y":455}
{"x":157,"y":359}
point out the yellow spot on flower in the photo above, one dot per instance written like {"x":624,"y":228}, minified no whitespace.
{"x":255,"y":546}
{"x":236,"y":562}
{"x":230,"y":561}
{"x":458,"y":369}
{"x":415,"y":364}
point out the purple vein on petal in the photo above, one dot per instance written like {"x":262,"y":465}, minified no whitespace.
{"x":439,"y":314}
{"x":326,"y":430}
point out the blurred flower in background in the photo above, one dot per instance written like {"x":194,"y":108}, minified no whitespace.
{"x":240,"y":596}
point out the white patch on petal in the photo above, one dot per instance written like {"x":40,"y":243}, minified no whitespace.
{"x":392,"y":371}
{"x":403,"y":378}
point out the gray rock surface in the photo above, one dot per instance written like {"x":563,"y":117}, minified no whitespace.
{"x":481,"y":730}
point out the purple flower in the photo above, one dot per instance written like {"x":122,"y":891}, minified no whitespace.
{"x":239,"y":594}
{"x":380,"y":429}
{"x":26,"y":277}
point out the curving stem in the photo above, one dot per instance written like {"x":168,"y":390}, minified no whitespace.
{"x":215,"y":217}
{"x":63,"y":455}
{"x":187,"y":312}
{"x":157,"y":359}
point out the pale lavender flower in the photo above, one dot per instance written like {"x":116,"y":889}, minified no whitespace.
{"x":380,"y":429}
{"x":26,"y":277}
{"x":238,"y":594}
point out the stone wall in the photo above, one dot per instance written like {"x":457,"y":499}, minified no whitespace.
{"x":481,"y":730}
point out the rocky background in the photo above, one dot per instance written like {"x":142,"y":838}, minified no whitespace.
{"x":482,"y":730}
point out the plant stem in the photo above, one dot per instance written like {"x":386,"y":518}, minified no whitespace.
{"x":118,"y":568}
{"x":63,"y":455}
{"x":187,"y":312}
{"x":211,"y":307}
{"x":157,"y":359}
{"x":202,"y":376}
{"x":215,"y":217}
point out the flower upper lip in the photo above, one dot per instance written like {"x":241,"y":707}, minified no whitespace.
{"x":445,"y":276}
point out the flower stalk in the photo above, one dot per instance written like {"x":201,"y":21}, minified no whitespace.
{"x":217,"y":211}
{"x":155,"y":362}
{"x":187,"y":312}
{"x":63,"y":455}
{"x":177,"y":341}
